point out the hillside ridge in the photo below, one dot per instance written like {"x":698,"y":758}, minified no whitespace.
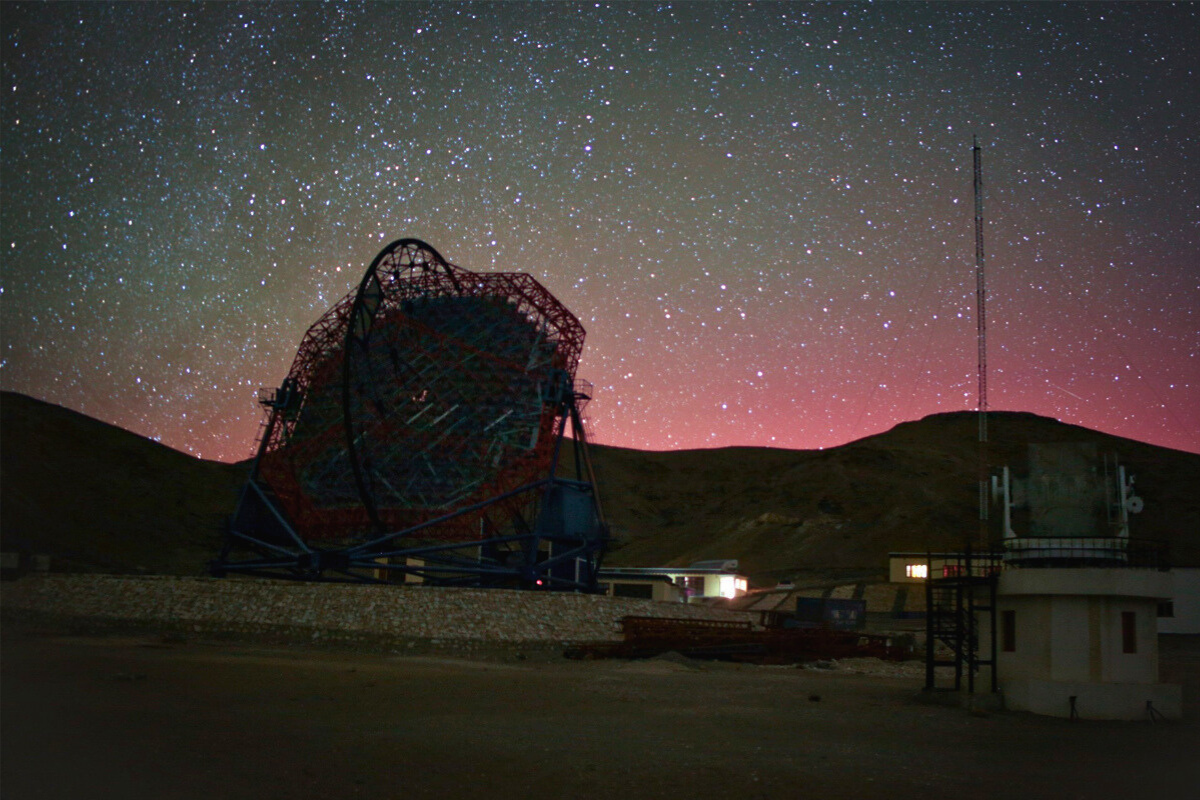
{"x":99,"y":498}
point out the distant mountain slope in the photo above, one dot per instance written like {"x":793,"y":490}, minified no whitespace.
{"x":100,"y":498}
{"x":782,"y":512}
{"x":110,"y":500}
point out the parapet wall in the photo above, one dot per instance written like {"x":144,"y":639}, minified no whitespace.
{"x":330,"y":612}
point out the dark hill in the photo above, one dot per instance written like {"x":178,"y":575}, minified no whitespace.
{"x":783,"y":512}
{"x":98,"y":497}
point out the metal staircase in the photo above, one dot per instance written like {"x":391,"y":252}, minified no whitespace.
{"x":960,"y":609}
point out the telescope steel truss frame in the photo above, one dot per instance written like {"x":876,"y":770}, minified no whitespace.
{"x":423,"y":418}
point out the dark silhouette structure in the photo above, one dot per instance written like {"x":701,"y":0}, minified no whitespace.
{"x":418,"y":436}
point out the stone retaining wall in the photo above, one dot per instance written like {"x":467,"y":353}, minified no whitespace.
{"x":331,"y":612}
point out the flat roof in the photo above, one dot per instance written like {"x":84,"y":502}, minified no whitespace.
{"x":602,"y":576}
{"x":664,"y":570}
{"x":959,"y":554}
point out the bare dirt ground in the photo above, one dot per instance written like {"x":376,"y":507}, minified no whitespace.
{"x":92,"y":717}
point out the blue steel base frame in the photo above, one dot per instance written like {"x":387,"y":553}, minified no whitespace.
{"x":261,"y":542}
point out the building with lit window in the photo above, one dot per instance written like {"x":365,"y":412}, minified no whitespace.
{"x":704,"y":579}
{"x":916,"y":567}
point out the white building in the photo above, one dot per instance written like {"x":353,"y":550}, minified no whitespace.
{"x":1064,"y":618}
{"x":1083,"y":642}
{"x":704,"y":579}
{"x":1077,"y":602}
{"x":1181,"y":614}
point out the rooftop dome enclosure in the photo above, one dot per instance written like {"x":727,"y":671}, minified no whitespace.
{"x":417,"y":435}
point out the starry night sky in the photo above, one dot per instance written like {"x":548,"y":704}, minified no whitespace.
{"x":762,"y":214}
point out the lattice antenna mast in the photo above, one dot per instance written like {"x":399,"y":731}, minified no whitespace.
{"x":981,"y":335}
{"x":980,"y":294}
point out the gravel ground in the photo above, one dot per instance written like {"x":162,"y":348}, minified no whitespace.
{"x":108,"y":717}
